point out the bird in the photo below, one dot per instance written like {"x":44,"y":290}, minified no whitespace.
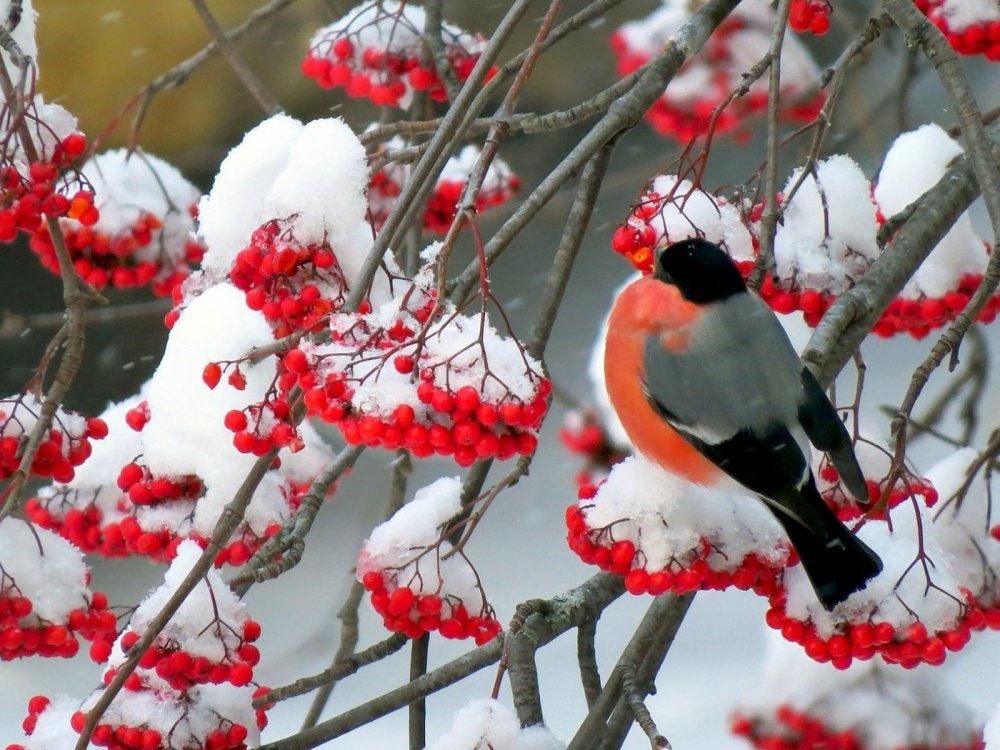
{"x":707,"y":385}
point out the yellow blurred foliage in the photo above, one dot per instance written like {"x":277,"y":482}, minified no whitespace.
{"x":95,"y":56}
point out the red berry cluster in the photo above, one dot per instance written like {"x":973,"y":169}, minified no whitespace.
{"x":36,"y":706}
{"x":914,"y":316}
{"x":29,"y":195}
{"x":847,"y":509}
{"x":385,"y":75}
{"x":459,"y":424}
{"x":120,"y":737}
{"x":907,"y":646}
{"x":644,"y":230}
{"x":23,"y":633}
{"x":791,"y":729}
{"x":228,"y":736}
{"x":982,"y":38}
{"x":919,"y":316}
{"x":260,"y":427}
{"x":693,"y":573}
{"x":636,"y":244}
{"x":413,"y":614}
{"x":294,"y":286}
{"x":102,"y":260}
{"x":812,"y":16}
{"x":144,"y":488}
{"x":60,"y":450}
{"x":71,"y":514}
{"x":182,"y":670}
{"x":686,"y":120}
{"x":582,"y":434}
{"x":443,"y":203}
{"x":500,"y":185}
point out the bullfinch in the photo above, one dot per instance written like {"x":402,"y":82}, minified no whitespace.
{"x":707,"y":385}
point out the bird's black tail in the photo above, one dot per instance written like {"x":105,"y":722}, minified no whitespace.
{"x":836,"y":562}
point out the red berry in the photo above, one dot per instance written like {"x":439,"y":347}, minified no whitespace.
{"x":212,"y":374}
{"x":403,"y":364}
{"x":235,"y":420}
{"x":296,"y":361}
{"x":467,"y":398}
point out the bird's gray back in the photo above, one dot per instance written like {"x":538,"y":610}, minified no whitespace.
{"x":739,"y":371}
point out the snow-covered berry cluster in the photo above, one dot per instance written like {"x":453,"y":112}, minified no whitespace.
{"x":65,"y":445}
{"x":49,"y":186}
{"x":417,"y":580}
{"x":46,"y":605}
{"x":376,"y":51}
{"x":192,"y":688}
{"x":801,"y":704}
{"x":828,"y":236}
{"x":431,"y":381}
{"x":142,"y":228}
{"x":499,"y":186}
{"x":971,"y":26}
{"x":913,"y":612}
{"x":827,"y":240}
{"x":672,"y":209}
{"x":138,"y":495}
{"x":810,"y":16}
{"x":663,"y":533}
{"x":876,"y":464}
{"x":691,"y":103}
{"x":582,"y":434}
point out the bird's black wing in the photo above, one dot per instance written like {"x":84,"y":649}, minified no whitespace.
{"x":827,"y":432}
{"x":768,"y":462}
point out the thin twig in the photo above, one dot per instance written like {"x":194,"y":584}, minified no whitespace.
{"x":247,"y":77}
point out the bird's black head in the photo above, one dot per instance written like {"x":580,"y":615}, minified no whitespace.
{"x":702,"y":272}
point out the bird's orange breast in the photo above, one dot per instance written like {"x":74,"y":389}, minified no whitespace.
{"x":650,"y":308}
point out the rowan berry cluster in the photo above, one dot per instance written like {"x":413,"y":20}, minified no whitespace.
{"x":439,"y":421}
{"x":294,"y":286}
{"x":390,"y":378}
{"x":583,"y":434}
{"x":39,"y":190}
{"x":66,"y":444}
{"x":375,"y":52}
{"x":183,"y":670}
{"x":917,"y":317}
{"x":144,"y":513}
{"x":24,"y":633}
{"x":792,"y":730}
{"x":499,"y":186}
{"x":414,"y":613}
{"x":132,"y":257}
{"x":46,"y":605}
{"x":907,"y":646}
{"x":812,"y":16}
{"x":687,"y":571}
{"x":191,"y":688}
{"x":700,"y":96}
{"x":671,"y":209}
{"x":979,"y":37}
{"x":912,"y":488}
